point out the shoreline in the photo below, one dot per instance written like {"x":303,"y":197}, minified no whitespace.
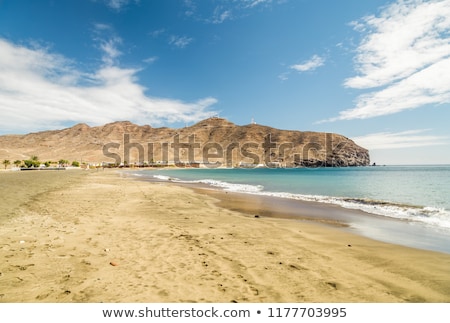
{"x":407,"y":233}
{"x":104,"y":237}
{"x":381,"y":228}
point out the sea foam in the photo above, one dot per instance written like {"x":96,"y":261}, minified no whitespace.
{"x":436,"y":217}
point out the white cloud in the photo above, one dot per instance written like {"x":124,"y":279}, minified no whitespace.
{"x":283,"y":76}
{"x":180,"y":41}
{"x":220,"y":15}
{"x":102,"y":27}
{"x":310,"y":65}
{"x":107,"y":42}
{"x":117,"y":4}
{"x":191,"y":7}
{"x":428,"y":86}
{"x":150,"y":60}
{"x":397,"y":140}
{"x":223,"y":10}
{"x":404,"y":56}
{"x":254,"y":3}
{"x":109,"y":47}
{"x":156,"y":33}
{"x":42,"y":90}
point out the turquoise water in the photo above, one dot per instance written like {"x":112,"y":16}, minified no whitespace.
{"x":415,"y":193}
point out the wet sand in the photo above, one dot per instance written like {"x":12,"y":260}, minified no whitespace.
{"x":91,"y":236}
{"x":381,"y":228}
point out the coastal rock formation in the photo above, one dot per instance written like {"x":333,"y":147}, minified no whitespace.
{"x":211,"y":142}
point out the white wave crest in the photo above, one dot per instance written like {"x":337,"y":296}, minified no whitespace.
{"x":232,"y":187}
{"x":428,"y":215}
{"x":166,"y":178}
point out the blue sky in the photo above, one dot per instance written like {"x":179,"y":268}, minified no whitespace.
{"x":375,"y":71}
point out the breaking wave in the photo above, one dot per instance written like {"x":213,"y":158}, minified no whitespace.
{"x":426,"y":214}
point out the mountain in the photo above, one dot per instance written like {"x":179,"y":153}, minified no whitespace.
{"x":214,"y":141}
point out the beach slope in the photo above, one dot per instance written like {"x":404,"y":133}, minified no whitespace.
{"x":97,"y":236}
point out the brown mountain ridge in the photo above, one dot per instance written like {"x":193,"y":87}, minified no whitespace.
{"x":211,"y":142}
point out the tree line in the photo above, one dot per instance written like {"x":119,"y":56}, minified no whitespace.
{"x":33,"y":162}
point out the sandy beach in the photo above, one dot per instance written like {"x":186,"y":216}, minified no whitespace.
{"x":99,"y":236}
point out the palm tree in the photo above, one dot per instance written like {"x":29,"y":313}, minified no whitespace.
{"x":6,"y":162}
{"x":17,"y":163}
{"x":35,"y":161}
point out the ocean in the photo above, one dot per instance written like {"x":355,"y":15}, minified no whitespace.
{"x":416,"y":194}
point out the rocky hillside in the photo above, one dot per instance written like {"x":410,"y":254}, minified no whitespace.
{"x":214,"y":141}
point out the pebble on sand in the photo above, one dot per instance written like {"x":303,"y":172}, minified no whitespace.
{"x":113,"y":263}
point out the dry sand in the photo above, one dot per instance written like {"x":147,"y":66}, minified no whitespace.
{"x":88,"y":236}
